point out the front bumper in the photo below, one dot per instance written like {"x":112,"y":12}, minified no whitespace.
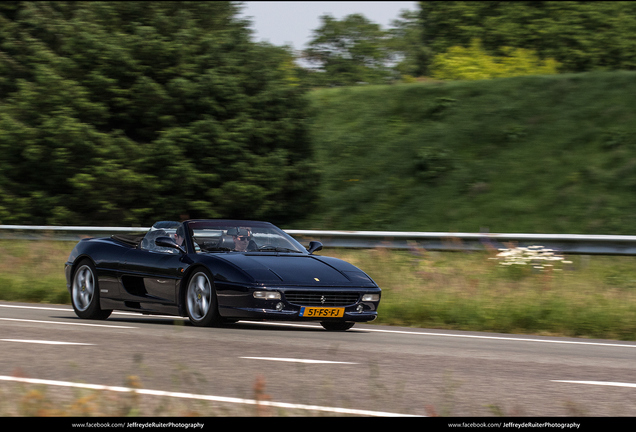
{"x":244,"y":306}
{"x":291,"y":315}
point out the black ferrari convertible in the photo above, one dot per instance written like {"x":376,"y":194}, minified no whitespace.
{"x":215,"y":271}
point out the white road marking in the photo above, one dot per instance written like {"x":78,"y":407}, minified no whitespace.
{"x":293,"y":360}
{"x":419,"y":333}
{"x":44,"y":342}
{"x":517,"y":339}
{"x":204,"y":397}
{"x":408,"y":332}
{"x":66,"y":323}
{"x":602,"y":383}
{"x":71,"y":310}
{"x":34,"y":307}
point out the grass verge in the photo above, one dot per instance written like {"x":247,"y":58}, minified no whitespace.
{"x":590,"y":296}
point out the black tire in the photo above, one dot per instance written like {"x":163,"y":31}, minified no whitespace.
{"x":85,"y":292}
{"x":337,"y":325}
{"x":200,"y":300}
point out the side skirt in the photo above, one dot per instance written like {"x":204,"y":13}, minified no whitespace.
{"x":141,"y":307}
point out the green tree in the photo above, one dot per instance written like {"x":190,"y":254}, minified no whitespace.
{"x":127,"y":112}
{"x":580,"y":35}
{"x":405,"y":40}
{"x":350,"y":51}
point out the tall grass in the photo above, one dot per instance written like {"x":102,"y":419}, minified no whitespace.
{"x":33,"y":271}
{"x":592,"y":296}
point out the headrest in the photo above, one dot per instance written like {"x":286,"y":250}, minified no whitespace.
{"x":239,"y":232}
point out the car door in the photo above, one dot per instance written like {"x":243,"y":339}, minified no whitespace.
{"x":150,"y":276}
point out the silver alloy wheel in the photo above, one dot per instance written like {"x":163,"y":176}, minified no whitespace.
{"x":199,"y":296}
{"x":83,"y":287}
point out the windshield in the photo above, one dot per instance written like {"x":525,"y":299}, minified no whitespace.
{"x":241,"y":236}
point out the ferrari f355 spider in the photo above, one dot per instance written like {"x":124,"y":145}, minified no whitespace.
{"x":216,"y":271}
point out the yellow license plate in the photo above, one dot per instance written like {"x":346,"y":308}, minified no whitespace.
{"x":320,"y":312}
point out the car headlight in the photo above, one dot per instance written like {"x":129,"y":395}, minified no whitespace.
{"x":371,"y":297}
{"x":267,"y":295}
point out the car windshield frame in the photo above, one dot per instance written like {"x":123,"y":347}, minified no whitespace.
{"x":214,"y":236}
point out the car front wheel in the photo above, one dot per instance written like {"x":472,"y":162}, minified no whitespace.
{"x":201,"y":304}
{"x":85,"y":293}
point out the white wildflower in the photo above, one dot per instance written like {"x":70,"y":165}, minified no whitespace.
{"x":537,"y":256}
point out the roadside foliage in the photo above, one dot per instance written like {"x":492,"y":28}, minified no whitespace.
{"x":124,"y":113}
{"x":121,"y":113}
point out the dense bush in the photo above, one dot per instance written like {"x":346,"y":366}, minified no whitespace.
{"x":127,"y":112}
{"x":473,"y":63}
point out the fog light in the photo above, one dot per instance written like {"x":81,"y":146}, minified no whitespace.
{"x":360,"y":308}
{"x":279,"y":306}
{"x":371,"y":297}
{"x":267,"y":295}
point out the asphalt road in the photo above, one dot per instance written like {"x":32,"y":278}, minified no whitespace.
{"x":304,"y":370}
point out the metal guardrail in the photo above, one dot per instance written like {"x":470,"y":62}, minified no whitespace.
{"x":449,"y":241}
{"x":442,"y":241}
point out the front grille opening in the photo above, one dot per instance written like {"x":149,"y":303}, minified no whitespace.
{"x":302,"y":298}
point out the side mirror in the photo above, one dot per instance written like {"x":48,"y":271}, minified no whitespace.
{"x":169,"y":243}
{"x":314,"y":246}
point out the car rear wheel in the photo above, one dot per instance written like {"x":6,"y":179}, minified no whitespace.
{"x":85,"y":293}
{"x":201,"y":304}
{"x":337,"y":325}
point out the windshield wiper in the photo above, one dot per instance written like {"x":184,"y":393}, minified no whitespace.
{"x":216,"y":249}
{"x":268,"y":248}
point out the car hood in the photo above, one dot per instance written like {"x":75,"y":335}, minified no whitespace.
{"x":303,"y":270}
